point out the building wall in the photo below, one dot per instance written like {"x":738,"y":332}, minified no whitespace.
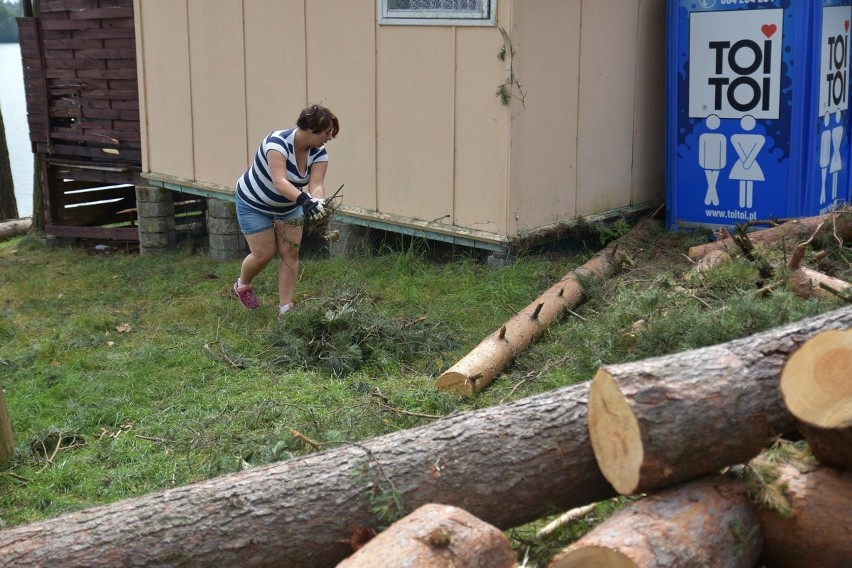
{"x":423,"y":136}
{"x":588,"y":136}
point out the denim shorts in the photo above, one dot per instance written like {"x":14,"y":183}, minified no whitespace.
{"x":253,"y":221}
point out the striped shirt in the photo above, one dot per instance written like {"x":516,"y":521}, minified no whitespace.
{"x":255,"y":186}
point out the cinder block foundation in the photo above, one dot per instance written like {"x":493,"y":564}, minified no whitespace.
{"x":156,"y":219}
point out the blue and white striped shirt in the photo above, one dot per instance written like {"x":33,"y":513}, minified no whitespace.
{"x":255,"y":186}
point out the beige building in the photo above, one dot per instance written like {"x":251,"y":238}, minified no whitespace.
{"x":426,"y":144}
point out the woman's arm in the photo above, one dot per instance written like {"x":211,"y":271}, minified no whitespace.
{"x":278,"y":171}
{"x":315,"y":183}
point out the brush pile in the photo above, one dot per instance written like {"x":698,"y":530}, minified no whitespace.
{"x":347,"y":332}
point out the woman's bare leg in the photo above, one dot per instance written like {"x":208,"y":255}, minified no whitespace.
{"x":262,"y":247}
{"x":288,"y":241}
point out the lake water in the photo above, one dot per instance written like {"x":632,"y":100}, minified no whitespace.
{"x":14,"y":106}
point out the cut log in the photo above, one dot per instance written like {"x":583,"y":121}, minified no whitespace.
{"x":810,"y":283}
{"x":7,"y":442}
{"x":507,"y":465}
{"x":816,"y":385}
{"x":14,"y":228}
{"x":839,"y":222}
{"x":818,"y":534}
{"x":660,"y":421}
{"x":708,"y":261}
{"x":708,"y":522}
{"x":436,"y":536}
{"x":494,"y":353}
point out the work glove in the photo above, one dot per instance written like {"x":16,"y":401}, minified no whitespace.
{"x":312,"y":207}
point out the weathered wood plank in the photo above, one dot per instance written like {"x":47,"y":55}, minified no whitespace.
{"x":102,"y":13}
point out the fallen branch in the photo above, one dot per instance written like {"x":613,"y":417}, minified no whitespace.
{"x":479,"y":367}
{"x":550,"y":529}
{"x":299,"y":436}
{"x":809,"y":283}
{"x":840,"y":222}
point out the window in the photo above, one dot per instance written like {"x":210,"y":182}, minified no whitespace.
{"x":438,"y":12}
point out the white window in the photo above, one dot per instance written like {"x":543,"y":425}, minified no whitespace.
{"x":438,"y":12}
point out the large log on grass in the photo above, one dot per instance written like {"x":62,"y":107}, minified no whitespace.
{"x":436,"y":536}
{"x":817,"y":388}
{"x":660,"y":421}
{"x":838,"y":223}
{"x":507,"y":465}
{"x":478,"y":368}
{"x":708,"y":522}
{"x":817,"y":530}
{"x":14,"y":228}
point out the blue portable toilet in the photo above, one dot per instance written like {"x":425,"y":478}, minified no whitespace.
{"x":828,"y":181}
{"x":739,"y":86}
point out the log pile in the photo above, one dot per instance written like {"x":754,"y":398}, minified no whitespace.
{"x":668,"y":425}
{"x":506,"y":466}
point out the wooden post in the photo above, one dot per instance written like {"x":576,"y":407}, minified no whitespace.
{"x":7,"y":442}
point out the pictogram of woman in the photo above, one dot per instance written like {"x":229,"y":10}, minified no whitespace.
{"x":747,"y":170}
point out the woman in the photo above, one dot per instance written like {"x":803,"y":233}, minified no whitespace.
{"x":272,"y":201}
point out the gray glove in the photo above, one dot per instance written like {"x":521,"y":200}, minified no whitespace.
{"x":312,"y":207}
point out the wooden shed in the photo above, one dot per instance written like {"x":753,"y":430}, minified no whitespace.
{"x":79,"y":61}
{"x":427,"y":146}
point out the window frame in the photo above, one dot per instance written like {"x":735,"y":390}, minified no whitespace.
{"x":487,"y":17}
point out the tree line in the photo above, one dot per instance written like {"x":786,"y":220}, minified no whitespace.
{"x":9,"y":10}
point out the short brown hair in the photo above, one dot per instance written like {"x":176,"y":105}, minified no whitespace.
{"x":318,"y":119}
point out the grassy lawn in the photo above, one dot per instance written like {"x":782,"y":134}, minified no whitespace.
{"x":126,"y":374}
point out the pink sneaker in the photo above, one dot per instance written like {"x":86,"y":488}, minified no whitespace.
{"x":247,"y":297}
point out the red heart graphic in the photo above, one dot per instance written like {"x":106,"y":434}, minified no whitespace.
{"x":769,"y":29}
{"x":846,"y":25}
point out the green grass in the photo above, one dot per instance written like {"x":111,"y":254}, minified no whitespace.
{"x":127,"y":374}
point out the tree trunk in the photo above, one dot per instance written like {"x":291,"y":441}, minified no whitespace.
{"x":819,"y":532}
{"x":8,"y":203}
{"x":507,"y":465}
{"x":7,"y":442}
{"x":493,"y":354}
{"x":838,"y":222}
{"x":39,"y":188}
{"x":808,"y":283}
{"x":708,"y":522}
{"x":436,"y":536}
{"x":15,"y":227}
{"x":660,"y":421}
{"x":817,"y":388}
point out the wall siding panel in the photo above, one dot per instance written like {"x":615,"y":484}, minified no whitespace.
{"x":341,"y":55}
{"x":415,"y":122}
{"x":165,"y":91}
{"x":217,"y":72}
